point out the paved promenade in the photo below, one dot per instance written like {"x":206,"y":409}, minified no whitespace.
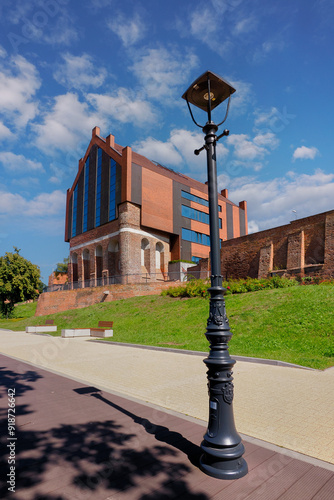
{"x":286,"y":406}
{"x":110,"y":422}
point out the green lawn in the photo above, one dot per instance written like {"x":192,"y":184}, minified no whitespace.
{"x":289,"y":324}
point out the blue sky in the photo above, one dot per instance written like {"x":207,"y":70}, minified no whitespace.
{"x":69,"y":65}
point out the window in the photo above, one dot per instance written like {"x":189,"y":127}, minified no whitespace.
{"x":197,"y":199}
{"x":192,"y":213}
{"x":98,"y":188}
{"x":74,"y":211}
{"x":194,"y":237}
{"x":85,"y":207}
{"x":112,"y":190}
{"x":195,"y":259}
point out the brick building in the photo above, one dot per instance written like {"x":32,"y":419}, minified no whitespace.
{"x":128,"y":216}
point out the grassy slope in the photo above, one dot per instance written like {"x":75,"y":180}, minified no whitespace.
{"x":292,"y":324}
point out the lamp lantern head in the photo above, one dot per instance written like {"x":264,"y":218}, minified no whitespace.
{"x":208,"y":87}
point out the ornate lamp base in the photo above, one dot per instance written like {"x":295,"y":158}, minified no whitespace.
{"x":223,"y":463}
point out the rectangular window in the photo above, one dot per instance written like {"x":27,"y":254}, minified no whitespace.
{"x":192,"y":213}
{"x":112,"y":190}
{"x":98,"y":188}
{"x":197,"y":199}
{"x":74,"y":211}
{"x":194,"y":237}
{"x":85,"y":207}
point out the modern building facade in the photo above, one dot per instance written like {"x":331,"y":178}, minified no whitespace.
{"x":127,"y":216}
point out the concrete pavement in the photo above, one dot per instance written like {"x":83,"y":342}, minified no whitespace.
{"x":286,"y":406}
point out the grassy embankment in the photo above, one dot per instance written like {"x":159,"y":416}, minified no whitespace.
{"x":291,"y":324}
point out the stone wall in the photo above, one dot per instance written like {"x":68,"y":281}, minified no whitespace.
{"x":303,"y":247}
{"x":53,"y":302}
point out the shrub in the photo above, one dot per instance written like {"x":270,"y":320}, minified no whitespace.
{"x":199,"y":288}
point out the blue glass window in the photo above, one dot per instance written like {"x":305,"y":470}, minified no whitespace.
{"x":192,"y":213}
{"x":98,"y":188}
{"x":85,"y":207}
{"x":197,"y":199}
{"x":112,"y":190}
{"x":195,"y":259}
{"x":74,"y":211}
{"x":194,"y":237}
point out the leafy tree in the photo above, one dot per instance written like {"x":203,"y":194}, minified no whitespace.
{"x":62,"y":267}
{"x":19,"y":281}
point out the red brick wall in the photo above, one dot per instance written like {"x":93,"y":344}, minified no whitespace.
{"x":305,"y":246}
{"x":53,"y":302}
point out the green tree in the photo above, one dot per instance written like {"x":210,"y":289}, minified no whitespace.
{"x":62,"y":267}
{"x":19,"y":281}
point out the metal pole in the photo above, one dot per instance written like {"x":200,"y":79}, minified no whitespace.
{"x":222,"y":447}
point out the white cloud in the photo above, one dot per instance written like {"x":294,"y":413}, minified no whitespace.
{"x":178,"y":151}
{"x":43,"y":205}
{"x":5,"y":133}
{"x":203,"y":24}
{"x":304,"y":153}
{"x":66,"y":124}
{"x":246,"y":149}
{"x":161,"y":71}
{"x":245,"y":25}
{"x":64,"y":33}
{"x":270,"y":203}
{"x":263,"y":118}
{"x":267,"y":139}
{"x":18,"y":163}
{"x":273,"y":120}
{"x":162,"y":152}
{"x":79,"y":72}
{"x":242,"y":97}
{"x":267,"y":47}
{"x":41,"y":22}
{"x":130,"y":31}
{"x":19,"y":82}
{"x":123,"y":106}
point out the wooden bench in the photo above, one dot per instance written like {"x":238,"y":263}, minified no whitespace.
{"x":104,"y":329}
{"x":48,"y":327}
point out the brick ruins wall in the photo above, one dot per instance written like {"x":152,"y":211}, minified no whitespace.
{"x":303,"y":247}
{"x":53,"y":302}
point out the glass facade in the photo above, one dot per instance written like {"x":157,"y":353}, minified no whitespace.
{"x":112,"y":190}
{"x":192,"y":213}
{"x":98,"y":188}
{"x":74,"y":211}
{"x":197,"y":199}
{"x":85,"y":206}
{"x":194,"y":237}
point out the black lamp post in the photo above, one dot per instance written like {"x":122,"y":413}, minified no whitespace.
{"x":222,"y":446}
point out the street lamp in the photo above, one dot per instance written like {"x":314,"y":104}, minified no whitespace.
{"x":222,"y":447}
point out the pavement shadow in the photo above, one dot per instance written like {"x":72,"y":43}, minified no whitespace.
{"x":161,"y":433}
{"x":99,"y":455}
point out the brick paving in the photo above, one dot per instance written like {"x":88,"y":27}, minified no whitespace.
{"x":75,"y":441}
{"x":287,"y":406}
